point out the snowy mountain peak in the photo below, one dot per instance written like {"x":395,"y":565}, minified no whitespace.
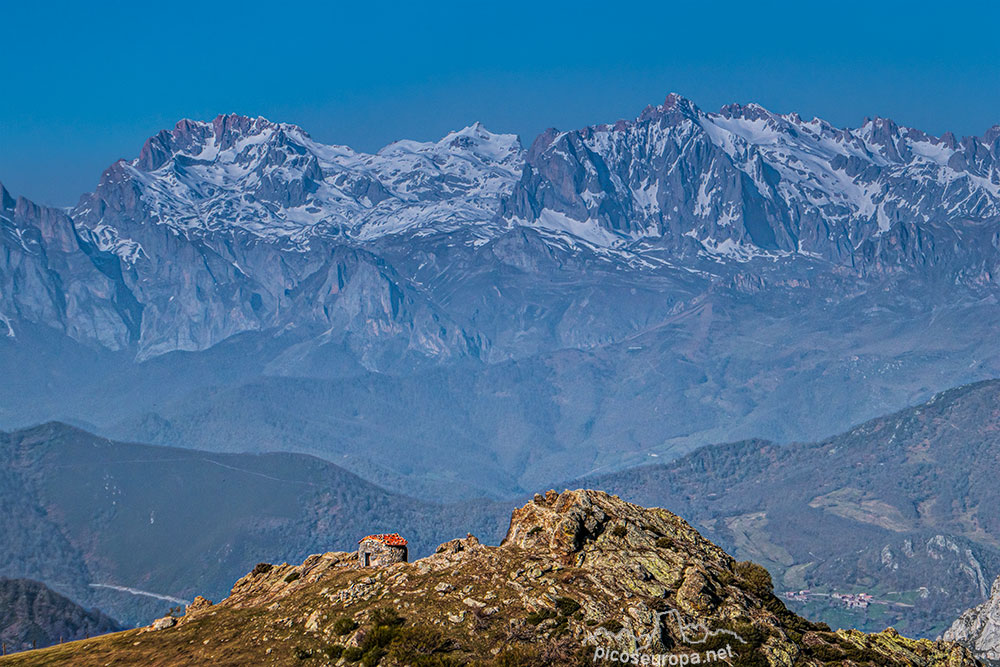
{"x":751,"y":111}
{"x":674,"y":108}
{"x":274,"y":181}
{"x":474,"y":140}
{"x":745,"y":182}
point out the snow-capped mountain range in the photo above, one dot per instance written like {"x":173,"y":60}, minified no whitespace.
{"x":262,"y":208}
{"x":274,"y":182}
{"x":741,"y":182}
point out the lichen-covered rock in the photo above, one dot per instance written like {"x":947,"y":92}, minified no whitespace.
{"x":197,"y":605}
{"x":470,"y":541}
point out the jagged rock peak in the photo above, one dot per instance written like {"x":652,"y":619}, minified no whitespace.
{"x":205,"y":140}
{"x":674,"y":108}
{"x":978,"y":629}
{"x":6,"y":200}
{"x":569,"y":525}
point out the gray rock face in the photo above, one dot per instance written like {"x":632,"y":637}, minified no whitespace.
{"x":979,"y":628}
{"x":49,"y":276}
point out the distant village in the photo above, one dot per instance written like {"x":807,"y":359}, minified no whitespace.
{"x":849,"y":600}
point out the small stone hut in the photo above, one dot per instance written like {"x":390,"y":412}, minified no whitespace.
{"x":382,"y":550}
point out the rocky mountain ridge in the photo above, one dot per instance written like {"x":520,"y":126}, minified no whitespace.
{"x":580,"y":575}
{"x":273,"y":182}
{"x":745,"y":182}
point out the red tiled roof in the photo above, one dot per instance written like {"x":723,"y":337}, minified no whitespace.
{"x":392,"y":539}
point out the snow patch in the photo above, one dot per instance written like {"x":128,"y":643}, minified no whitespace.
{"x":10,"y":328}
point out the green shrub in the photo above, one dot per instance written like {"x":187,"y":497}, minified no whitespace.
{"x":373,"y":656}
{"x":536,"y":617}
{"x":334,"y":651}
{"x":292,"y":576}
{"x":519,"y":657}
{"x":561,"y":626}
{"x":385,"y":616}
{"x":756,"y":577}
{"x":567,"y":606}
{"x":301,"y":653}
{"x":379,"y":637}
{"x":352,"y":654}
{"x":411,"y":644}
{"x":826,"y":652}
{"x":858,"y":654}
{"x":774,"y":605}
{"x":344,"y":625}
{"x":664,"y":542}
{"x":619,"y":531}
{"x":612,"y":625}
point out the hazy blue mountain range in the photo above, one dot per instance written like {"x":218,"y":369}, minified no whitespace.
{"x":608,"y":295}
{"x":137,"y":529}
{"x":33,"y":616}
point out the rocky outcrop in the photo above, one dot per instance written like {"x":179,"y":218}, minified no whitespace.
{"x":582,"y":576}
{"x":979,"y":628}
{"x":50,"y":276}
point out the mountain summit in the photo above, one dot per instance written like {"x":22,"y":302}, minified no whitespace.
{"x":580,"y":578}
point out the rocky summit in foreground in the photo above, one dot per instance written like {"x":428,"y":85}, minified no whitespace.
{"x":581,"y":578}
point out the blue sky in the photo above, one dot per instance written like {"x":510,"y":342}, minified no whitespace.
{"x":85,"y":83}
